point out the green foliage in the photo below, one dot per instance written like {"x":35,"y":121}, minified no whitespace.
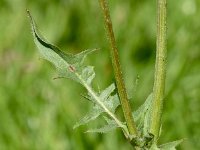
{"x":167,"y":146}
{"x":142,"y":117}
{"x":110,"y":102}
{"x":38,"y":112}
{"x":71,"y":66}
{"x":170,"y":145}
{"x":111,"y":125}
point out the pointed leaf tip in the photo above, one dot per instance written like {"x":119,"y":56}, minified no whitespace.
{"x":71,"y":66}
{"x":171,"y":145}
{"x":107,"y":92}
{"x":68,"y":65}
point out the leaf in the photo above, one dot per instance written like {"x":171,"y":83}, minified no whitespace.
{"x":154,"y":147}
{"x":143,"y":108}
{"x":171,"y":145}
{"x":71,"y":66}
{"x":68,"y":65}
{"x":111,"y":125}
{"x":88,"y":74}
{"x":92,"y":115}
{"x":142,"y":116}
{"x":106,"y":93}
{"x":109,"y":101}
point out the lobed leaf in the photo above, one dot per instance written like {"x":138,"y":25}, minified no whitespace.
{"x":111,"y":125}
{"x":92,"y":115}
{"x":71,"y":66}
{"x":109,"y":101}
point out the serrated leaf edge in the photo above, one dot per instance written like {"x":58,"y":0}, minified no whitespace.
{"x":84,"y":83}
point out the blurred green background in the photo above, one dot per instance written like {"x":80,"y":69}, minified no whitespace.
{"x":38,"y":113}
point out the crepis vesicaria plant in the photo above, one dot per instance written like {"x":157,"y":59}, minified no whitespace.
{"x":105,"y":102}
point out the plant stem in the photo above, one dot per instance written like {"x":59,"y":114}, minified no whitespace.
{"x":160,"y":69}
{"x":117,"y":69}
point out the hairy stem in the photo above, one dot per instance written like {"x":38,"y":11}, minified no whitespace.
{"x":160,"y":68}
{"x":117,"y":70}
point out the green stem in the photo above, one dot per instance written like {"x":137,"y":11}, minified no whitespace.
{"x":160,"y":69}
{"x":117,"y":70}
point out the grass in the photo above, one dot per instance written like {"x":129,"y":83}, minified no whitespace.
{"x":41,"y":118}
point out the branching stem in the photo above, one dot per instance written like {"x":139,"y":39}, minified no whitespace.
{"x":160,"y":68}
{"x":117,"y":70}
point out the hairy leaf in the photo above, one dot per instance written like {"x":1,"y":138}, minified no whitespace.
{"x":92,"y":115}
{"x":143,"y":108}
{"x":111,"y":102}
{"x":170,"y":145}
{"x":111,"y":125}
{"x":167,"y":146}
{"x":106,"y":93}
{"x":71,"y":66}
{"x":142,"y":116}
{"x":68,"y":65}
